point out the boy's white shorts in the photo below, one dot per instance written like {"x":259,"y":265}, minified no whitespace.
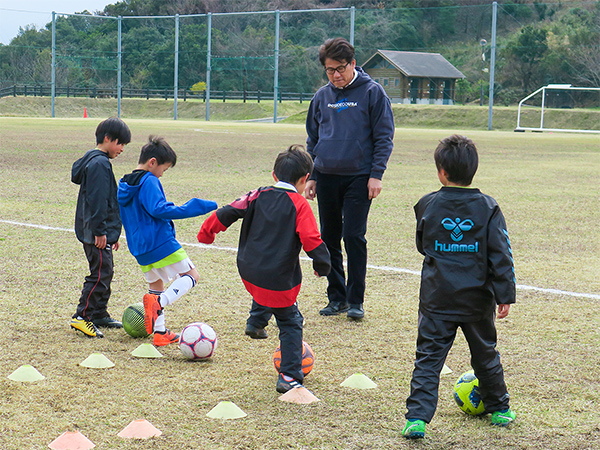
{"x":170,"y":272}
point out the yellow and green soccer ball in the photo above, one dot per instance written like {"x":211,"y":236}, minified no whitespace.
{"x":133,"y":320}
{"x":466,"y":394}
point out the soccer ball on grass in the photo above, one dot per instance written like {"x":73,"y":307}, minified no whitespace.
{"x":198,"y":341}
{"x":466,"y":394}
{"x":133,"y":320}
{"x":308,"y":358}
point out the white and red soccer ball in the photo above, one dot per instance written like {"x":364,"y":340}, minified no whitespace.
{"x":198,"y":341}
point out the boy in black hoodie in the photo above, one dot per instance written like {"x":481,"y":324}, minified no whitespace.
{"x":98,"y":224}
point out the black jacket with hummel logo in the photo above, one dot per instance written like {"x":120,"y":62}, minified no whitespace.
{"x":468,"y":267}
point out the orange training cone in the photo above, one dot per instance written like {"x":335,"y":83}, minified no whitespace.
{"x":85,"y":113}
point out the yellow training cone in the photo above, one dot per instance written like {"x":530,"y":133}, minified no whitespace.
{"x":359,"y":381}
{"x":147,"y":350}
{"x":26,"y":373}
{"x":226,"y":410}
{"x":446,"y":370}
{"x":97,"y":361}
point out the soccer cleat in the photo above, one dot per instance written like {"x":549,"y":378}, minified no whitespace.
{"x":152,"y":310}
{"x":107,"y":322}
{"x":414,"y":429}
{"x":256,"y":333}
{"x":333,"y":309}
{"x":503,"y":418}
{"x":162,"y":338}
{"x":285,"y":383}
{"x":86,"y":327}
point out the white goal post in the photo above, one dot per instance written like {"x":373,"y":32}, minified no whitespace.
{"x":561,"y":87}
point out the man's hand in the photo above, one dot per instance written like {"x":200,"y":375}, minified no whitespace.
{"x":310,"y":191}
{"x":502,"y":311}
{"x":374,"y":186}
{"x":115,"y":246}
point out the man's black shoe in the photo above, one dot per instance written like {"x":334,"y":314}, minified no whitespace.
{"x":356,"y":312}
{"x":107,"y":322}
{"x":333,"y":309}
{"x":256,"y":333}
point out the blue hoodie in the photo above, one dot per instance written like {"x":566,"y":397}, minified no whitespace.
{"x":148,"y":217}
{"x":351,"y":130}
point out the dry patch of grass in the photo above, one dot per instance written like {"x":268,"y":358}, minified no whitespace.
{"x":546,"y":185}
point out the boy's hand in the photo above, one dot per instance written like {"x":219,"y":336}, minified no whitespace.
{"x":100,"y":242}
{"x":115,"y":246}
{"x":502,"y":311}
{"x":317,"y":274}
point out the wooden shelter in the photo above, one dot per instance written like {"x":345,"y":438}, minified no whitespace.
{"x":414,"y":77}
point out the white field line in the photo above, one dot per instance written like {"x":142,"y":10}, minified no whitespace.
{"x":523,"y":287}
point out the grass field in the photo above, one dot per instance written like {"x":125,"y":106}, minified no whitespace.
{"x":546,"y":184}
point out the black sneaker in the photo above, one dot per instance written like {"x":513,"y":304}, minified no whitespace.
{"x":356,"y":312}
{"x":256,"y":333}
{"x":283,"y":385}
{"x":333,"y":309}
{"x":107,"y":322}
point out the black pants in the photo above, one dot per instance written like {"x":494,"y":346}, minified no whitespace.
{"x":289,"y":321}
{"x":343,"y":211}
{"x":96,"y":287}
{"x":433,"y":344}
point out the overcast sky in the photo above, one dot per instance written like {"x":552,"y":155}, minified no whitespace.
{"x":19,"y":13}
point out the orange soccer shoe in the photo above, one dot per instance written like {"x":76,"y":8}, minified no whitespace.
{"x":152,"y":310}
{"x":162,"y":338}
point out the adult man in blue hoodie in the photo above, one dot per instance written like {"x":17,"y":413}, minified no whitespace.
{"x":350,"y":129}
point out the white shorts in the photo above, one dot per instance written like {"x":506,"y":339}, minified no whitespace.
{"x":170,"y":272}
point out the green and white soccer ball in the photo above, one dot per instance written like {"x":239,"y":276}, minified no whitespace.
{"x":466,"y":394}
{"x":133,"y":320}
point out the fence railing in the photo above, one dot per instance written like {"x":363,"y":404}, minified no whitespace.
{"x":166,"y":94}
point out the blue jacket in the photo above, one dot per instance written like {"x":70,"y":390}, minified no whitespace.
{"x":351,"y":130}
{"x":148,"y":217}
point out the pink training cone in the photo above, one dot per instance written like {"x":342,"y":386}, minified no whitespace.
{"x":299,"y":395}
{"x":71,"y":440}
{"x":85,"y":116}
{"x":139,"y":429}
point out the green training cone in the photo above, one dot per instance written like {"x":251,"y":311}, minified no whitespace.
{"x":226,"y":410}
{"x":26,"y":373}
{"x":147,"y":350}
{"x":97,"y":361}
{"x":359,"y":381}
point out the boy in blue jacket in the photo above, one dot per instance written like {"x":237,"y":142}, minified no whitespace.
{"x":148,"y":221}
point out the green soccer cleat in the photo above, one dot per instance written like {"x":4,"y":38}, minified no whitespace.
{"x":503,"y":418}
{"x":414,"y":429}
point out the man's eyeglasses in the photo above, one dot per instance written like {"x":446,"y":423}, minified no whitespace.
{"x":338,"y":69}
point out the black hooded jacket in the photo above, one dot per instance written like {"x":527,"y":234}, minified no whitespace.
{"x":97,"y":207}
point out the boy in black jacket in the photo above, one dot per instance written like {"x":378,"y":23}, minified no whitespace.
{"x":278,"y":223}
{"x":98,"y":224}
{"x":467,"y":271}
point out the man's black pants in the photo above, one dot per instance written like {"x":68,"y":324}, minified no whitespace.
{"x":343,"y":211}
